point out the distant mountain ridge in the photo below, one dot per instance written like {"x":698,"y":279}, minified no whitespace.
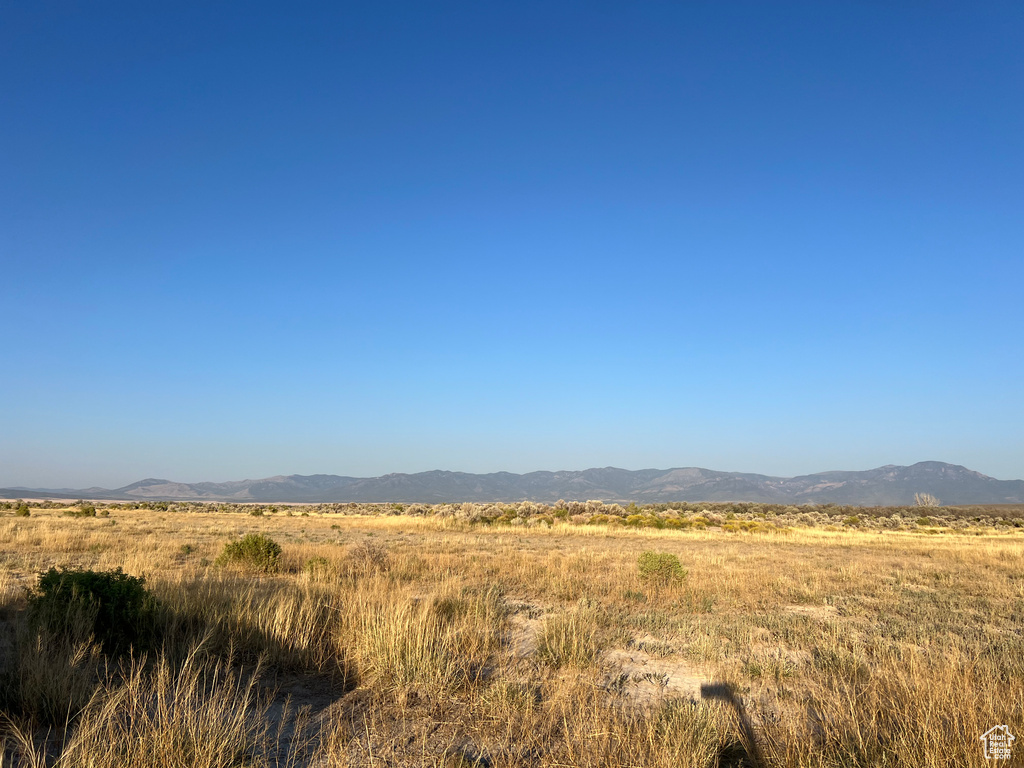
{"x":884,"y":486}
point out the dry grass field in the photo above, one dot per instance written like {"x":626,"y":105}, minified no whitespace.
{"x":429,"y":641}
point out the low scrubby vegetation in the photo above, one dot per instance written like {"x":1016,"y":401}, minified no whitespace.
{"x":254,"y":552}
{"x":660,"y":567}
{"x":83,"y":509}
{"x":734,"y":517}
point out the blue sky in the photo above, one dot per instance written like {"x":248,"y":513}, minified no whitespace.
{"x":244,"y":239}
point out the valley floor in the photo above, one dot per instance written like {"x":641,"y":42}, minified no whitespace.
{"x":425,"y":641}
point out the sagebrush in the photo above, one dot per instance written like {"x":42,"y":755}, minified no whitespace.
{"x":254,"y":552}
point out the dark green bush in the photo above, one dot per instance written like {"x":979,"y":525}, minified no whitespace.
{"x":22,"y":510}
{"x":113,"y":607}
{"x":254,"y":551}
{"x":645,"y":521}
{"x":660,"y":566}
{"x":84,"y":510}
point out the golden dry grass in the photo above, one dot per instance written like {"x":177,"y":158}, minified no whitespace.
{"x":430,"y":641}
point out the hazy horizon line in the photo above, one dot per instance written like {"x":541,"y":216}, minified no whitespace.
{"x":254,"y":477}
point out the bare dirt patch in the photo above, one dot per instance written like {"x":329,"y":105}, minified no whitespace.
{"x":524,"y":627}
{"x":646,"y":679}
{"x":820,"y":612}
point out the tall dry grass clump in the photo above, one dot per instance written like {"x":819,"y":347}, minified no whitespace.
{"x":292,"y":625}
{"x":367,"y":558}
{"x":48,"y":679}
{"x":565,"y":720}
{"x":434,"y":645}
{"x":570,"y":639}
{"x":903,"y":709}
{"x":9,"y":592}
{"x":199,"y":714}
{"x":674,"y":734}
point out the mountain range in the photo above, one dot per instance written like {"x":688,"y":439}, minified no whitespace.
{"x":885,"y":486}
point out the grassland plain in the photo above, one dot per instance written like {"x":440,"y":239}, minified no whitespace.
{"x":522,"y":635}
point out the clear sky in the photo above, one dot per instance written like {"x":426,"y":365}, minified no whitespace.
{"x":245,"y":239}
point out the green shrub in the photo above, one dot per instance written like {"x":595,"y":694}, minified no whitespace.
{"x":853,"y":521}
{"x":22,"y":510}
{"x":645,"y":520}
{"x":743,"y":526}
{"x":113,"y":607}
{"x":84,"y":510}
{"x":660,"y":566}
{"x":924,"y":521}
{"x":254,"y":552}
